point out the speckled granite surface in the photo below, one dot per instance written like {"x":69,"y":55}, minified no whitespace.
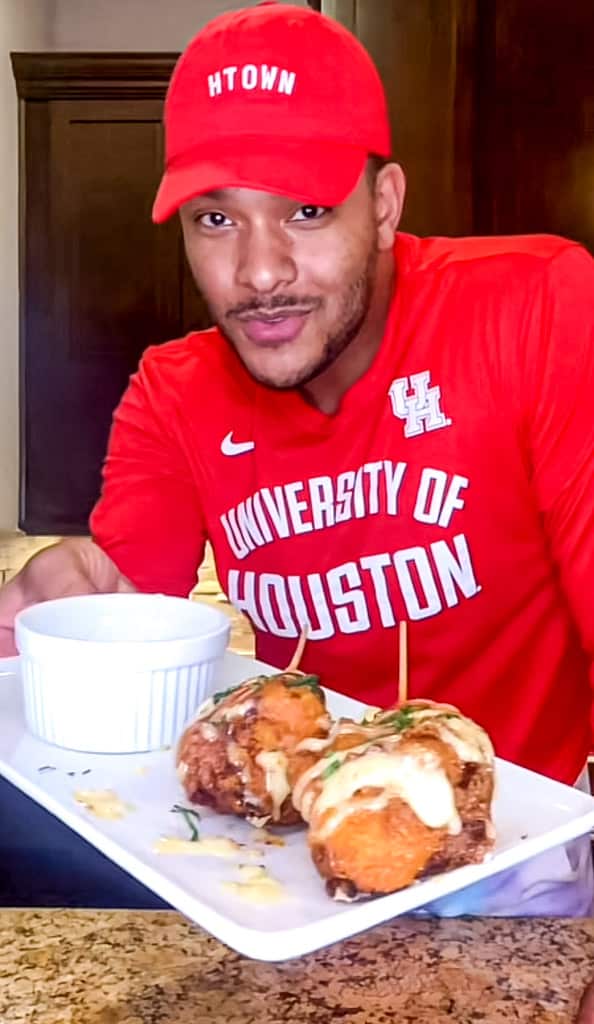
{"x":122,"y":967}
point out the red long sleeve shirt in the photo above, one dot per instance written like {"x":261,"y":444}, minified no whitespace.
{"x":453,"y":488}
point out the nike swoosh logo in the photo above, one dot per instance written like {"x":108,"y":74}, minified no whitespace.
{"x":231,"y":447}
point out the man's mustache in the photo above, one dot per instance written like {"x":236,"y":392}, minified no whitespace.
{"x":304,"y":303}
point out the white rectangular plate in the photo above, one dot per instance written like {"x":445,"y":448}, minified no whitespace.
{"x":532,"y":814}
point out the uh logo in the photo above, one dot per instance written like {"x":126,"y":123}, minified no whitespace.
{"x":416,"y":402}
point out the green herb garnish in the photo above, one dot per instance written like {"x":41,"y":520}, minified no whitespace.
{"x":257,"y":681}
{"x":188,"y":815}
{"x":400,"y":720}
{"x":331,"y":768}
{"x":311,"y":682}
{"x":221,"y":694}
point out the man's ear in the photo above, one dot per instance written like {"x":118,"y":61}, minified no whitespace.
{"x":390,"y":189}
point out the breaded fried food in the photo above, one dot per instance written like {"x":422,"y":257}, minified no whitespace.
{"x":396,"y":798}
{"x":241,"y":754}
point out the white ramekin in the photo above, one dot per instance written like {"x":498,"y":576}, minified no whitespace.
{"x":117,"y":673}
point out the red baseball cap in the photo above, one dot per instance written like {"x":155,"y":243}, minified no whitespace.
{"x":273,"y":97}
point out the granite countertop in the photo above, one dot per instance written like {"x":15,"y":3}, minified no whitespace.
{"x":153,"y":967}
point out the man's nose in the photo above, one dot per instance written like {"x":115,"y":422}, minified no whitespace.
{"x":266,"y":261}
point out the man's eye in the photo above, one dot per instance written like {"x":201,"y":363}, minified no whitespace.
{"x":310,"y":212}
{"x":213,"y":220}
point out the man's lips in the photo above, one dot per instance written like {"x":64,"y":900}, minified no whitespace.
{"x":274,"y":329}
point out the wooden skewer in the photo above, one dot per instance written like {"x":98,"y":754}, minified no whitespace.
{"x":293,"y":665}
{"x":402,"y":662}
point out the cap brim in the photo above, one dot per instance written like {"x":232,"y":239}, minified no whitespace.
{"x":320,"y":173}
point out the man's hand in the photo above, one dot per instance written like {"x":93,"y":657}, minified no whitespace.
{"x":74,"y":566}
{"x":586,"y":1007}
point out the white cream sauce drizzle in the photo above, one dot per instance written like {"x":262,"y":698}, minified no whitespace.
{"x":256,"y":886}
{"x":103,"y":803}
{"x":420,"y":782}
{"x":274,"y":763}
{"x":468,"y":739}
{"x":210,"y":846}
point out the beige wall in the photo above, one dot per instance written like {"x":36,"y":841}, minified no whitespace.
{"x":24,"y":25}
{"x":134,"y":24}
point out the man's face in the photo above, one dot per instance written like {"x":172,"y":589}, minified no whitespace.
{"x":288,"y":284}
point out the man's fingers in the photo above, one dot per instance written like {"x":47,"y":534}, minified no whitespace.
{"x":124,"y":586}
{"x":586,"y":1007}
{"x":12,"y":599}
{"x":7,"y":647}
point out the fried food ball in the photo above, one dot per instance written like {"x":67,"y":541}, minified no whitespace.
{"x":243,"y":752}
{"x":405,"y":794}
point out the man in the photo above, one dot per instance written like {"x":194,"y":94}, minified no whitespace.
{"x":379,"y":428}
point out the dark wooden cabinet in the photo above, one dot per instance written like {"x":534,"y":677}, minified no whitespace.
{"x":99,"y":282}
{"x":535,"y":131}
{"x":492,"y":103}
{"x":425,"y":52}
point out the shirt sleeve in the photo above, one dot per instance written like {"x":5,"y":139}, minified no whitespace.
{"x":148,"y":518}
{"x":558,"y":422}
